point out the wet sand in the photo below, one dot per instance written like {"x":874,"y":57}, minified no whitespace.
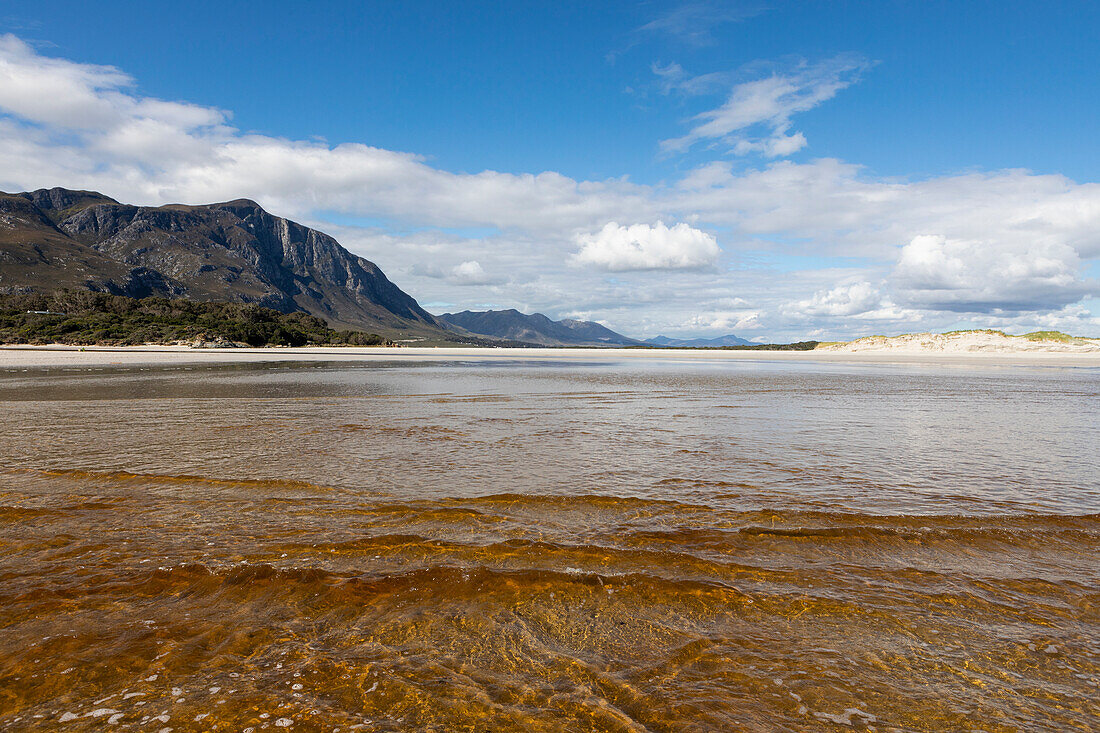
{"x":22,"y":357}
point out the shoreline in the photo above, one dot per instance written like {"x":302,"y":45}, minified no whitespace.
{"x":61,"y":356}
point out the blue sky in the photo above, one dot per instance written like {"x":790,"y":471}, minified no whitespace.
{"x":768,"y":167}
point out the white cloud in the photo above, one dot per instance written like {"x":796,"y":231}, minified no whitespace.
{"x":844,"y":300}
{"x":471,"y":273}
{"x":861,"y":300}
{"x":56,"y":91}
{"x":766,"y":104}
{"x":72,"y":96}
{"x":978,"y":276}
{"x":643,"y":247}
{"x":425,"y":261}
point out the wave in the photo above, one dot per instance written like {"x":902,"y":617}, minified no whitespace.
{"x":127,"y":477}
{"x":26,"y":512}
{"x":705,"y":499}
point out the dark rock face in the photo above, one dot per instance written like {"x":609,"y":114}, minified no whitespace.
{"x":141,"y":282}
{"x":231,"y":251}
{"x":535,"y":329}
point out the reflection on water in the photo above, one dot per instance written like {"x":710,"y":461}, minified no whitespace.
{"x":663,"y":546}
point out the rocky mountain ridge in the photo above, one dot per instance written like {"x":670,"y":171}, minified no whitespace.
{"x":232,"y":251}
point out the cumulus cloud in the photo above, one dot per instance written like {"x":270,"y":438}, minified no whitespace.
{"x":618,"y":248}
{"x":766,"y":105}
{"x":845,"y":300}
{"x":471,"y":273}
{"x":966,"y":275}
{"x":860,"y":300}
{"x":468,"y":272}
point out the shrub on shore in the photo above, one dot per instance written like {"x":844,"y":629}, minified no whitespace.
{"x":88,"y":318}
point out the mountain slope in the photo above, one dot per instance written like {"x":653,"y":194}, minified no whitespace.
{"x":728,"y":340}
{"x":231,"y":251}
{"x":535,"y":328}
{"x":33,"y":252}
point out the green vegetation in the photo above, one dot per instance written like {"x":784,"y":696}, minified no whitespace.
{"x":1064,"y":338}
{"x":86,"y":318}
{"x":798,"y":346}
{"x":977,"y":330}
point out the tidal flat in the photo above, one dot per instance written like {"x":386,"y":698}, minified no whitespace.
{"x":548,"y":540}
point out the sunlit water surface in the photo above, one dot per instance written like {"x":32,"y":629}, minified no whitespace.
{"x":620,"y":546}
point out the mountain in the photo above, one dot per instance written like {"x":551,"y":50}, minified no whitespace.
{"x":233,"y":251}
{"x":535,"y":329}
{"x":728,"y":340}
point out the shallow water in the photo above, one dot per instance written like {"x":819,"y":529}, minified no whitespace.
{"x":635,"y":546}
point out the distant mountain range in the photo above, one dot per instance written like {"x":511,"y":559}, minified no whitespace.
{"x":535,"y":329}
{"x":541,"y":330}
{"x":233,"y":251}
{"x":728,"y":340}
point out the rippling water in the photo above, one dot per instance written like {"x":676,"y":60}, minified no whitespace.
{"x":613,"y":546}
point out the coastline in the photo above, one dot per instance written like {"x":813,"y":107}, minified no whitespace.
{"x":58,"y":356}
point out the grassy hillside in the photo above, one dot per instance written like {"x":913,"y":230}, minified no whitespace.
{"x":1058,"y":336}
{"x":87,"y":318}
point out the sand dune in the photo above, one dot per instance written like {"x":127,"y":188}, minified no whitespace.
{"x":968,"y":342}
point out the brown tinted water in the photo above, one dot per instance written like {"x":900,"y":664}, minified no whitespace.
{"x":609,"y":546}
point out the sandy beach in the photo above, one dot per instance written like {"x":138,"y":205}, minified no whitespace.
{"x":26,"y":357}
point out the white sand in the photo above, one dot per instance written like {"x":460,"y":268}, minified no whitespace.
{"x":16,"y":357}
